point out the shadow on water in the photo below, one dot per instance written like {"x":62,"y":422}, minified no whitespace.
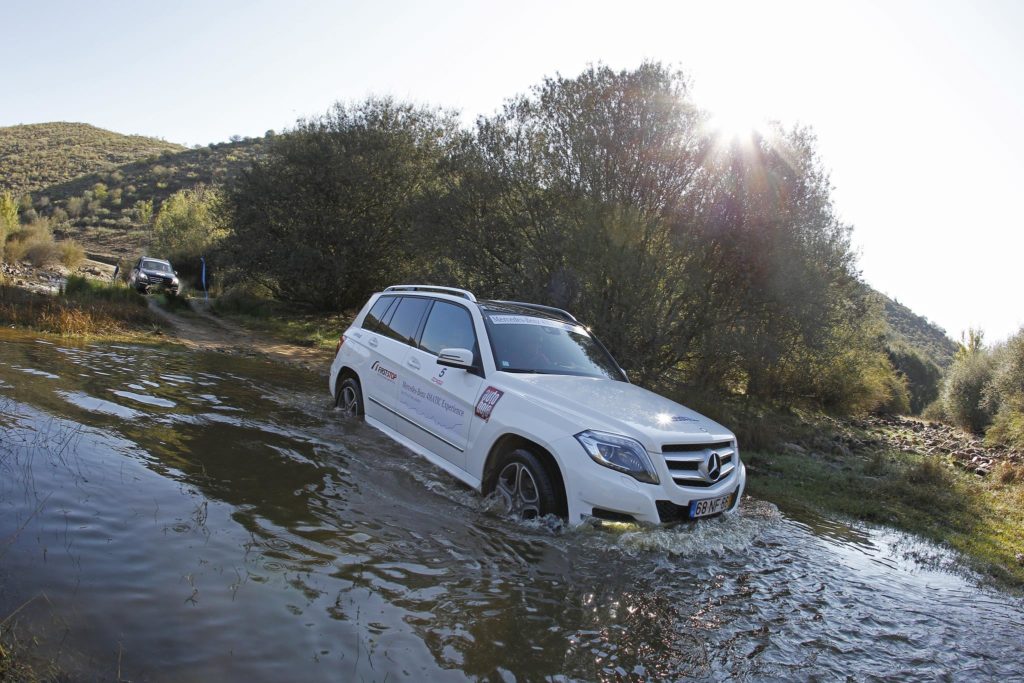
{"x":195,"y":516}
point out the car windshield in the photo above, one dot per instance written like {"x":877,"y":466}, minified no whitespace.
{"x":533,"y":344}
{"x":158,"y":266}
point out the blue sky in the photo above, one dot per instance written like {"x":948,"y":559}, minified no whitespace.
{"x":917,"y":105}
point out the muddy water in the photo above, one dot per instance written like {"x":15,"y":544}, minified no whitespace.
{"x":172,"y":516}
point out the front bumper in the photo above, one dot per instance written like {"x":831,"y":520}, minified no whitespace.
{"x":596,"y":491}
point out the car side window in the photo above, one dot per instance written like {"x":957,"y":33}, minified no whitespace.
{"x":449,"y":326}
{"x":374,"y":319}
{"x":406,"y":319}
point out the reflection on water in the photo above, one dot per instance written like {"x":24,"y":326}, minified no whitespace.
{"x":197,"y":516}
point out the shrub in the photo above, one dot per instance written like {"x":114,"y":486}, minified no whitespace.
{"x":71,"y":253}
{"x":75,"y":206}
{"x":1004,"y":396}
{"x":42,"y":253}
{"x":33,"y":242}
{"x":964,"y":390}
{"x":8,"y":218}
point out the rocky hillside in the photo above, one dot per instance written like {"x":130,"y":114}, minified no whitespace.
{"x":33,"y":157}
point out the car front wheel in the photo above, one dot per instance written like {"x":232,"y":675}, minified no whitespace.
{"x":525,"y":486}
{"x":350,"y":398}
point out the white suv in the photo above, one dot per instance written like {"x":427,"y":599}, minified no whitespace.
{"x":521,"y":399}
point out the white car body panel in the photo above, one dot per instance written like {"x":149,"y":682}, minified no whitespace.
{"x":432,"y":410}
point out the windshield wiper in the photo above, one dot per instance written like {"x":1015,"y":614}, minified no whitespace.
{"x":530,"y":371}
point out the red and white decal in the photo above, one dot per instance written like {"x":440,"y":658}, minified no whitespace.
{"x":488,"y":399}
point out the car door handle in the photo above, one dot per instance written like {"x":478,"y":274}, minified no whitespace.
{"x":413,"y":363}
{"x":372,"y":342}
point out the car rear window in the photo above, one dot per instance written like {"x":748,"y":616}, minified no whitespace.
{"x":406,"y":319}
{"x":374,"y":319}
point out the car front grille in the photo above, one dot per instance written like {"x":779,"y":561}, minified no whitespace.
{"x":689,"y":463}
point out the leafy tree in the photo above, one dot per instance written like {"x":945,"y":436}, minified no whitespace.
{"x":966,"y":384}
{"x":324,"y":218}
{"x":719,"y":265}
{"x":188,"y":226}
{"x":8,"y":218}
{"x":144,"y":211}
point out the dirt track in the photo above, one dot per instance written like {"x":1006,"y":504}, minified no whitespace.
{"x":198,"y":329}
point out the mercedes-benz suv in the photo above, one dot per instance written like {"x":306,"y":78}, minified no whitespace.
{"x":522,"y":400}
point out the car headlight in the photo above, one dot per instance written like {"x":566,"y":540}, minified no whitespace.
{"x":619,"y":453}
{"x":143,"y":276}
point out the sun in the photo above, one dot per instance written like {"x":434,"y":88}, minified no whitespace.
{"x":734,"y":116}
{"x":735,"y":125}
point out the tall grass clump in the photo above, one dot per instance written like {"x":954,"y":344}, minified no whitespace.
{"x":79,"y":287}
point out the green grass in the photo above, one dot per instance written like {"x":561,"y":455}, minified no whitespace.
{"x":175,"y":303}
{"x":315,"y":330}
{"x":925,"y":495}
{"x":82,"y":288}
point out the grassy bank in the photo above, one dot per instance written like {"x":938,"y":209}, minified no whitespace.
{"x":84,"y":309}
{"x":981,"y":517}
{"x":315,"y":330}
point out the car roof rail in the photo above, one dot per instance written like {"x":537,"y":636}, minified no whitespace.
{"x":466,"y":294}
{"x":565,"y":315}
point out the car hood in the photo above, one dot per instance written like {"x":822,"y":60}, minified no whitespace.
{"x":620,"y":407}
{"x":157,"y":273}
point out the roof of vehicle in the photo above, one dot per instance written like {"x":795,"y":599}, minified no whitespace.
{"x":518,"y":307}
{"x":158,"y":260}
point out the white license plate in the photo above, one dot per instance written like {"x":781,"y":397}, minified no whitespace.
{"x":709,"y":506}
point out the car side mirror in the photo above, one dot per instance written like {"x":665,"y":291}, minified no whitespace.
{"x":456,"y":358}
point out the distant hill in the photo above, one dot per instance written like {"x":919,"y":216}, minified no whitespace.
{"x":33,"y":157}
{"x":104,"y":188}
{"x":919,"y":333}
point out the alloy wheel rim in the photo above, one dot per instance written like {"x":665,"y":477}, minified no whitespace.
{"x":349,"y":402}
{"x":518,"y":489}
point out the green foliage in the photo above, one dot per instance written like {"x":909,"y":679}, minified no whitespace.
{"x":719,"y":265}
{"x":965,"y":386}
{"x":324,"y":218}
{"x":144,"y":211}
{"x":922,"y":376}
{"x":8,"y":218}
{"x":187,"y":226}
{"x":78,"y":287}
{"x":1004,"y":396}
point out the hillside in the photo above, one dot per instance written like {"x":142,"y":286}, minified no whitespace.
{"x":33,"y":157}
{"x":110,"y":212}
{"x":102,"y":188}
{"x":919,"y":333}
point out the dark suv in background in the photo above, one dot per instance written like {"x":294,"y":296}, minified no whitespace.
{"x":151,"y":273}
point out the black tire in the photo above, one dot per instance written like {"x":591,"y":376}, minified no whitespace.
{"x":349,"y":398}
{"x":525,"y":486}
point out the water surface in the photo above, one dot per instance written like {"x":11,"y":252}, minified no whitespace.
{"x":179,"y":516}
